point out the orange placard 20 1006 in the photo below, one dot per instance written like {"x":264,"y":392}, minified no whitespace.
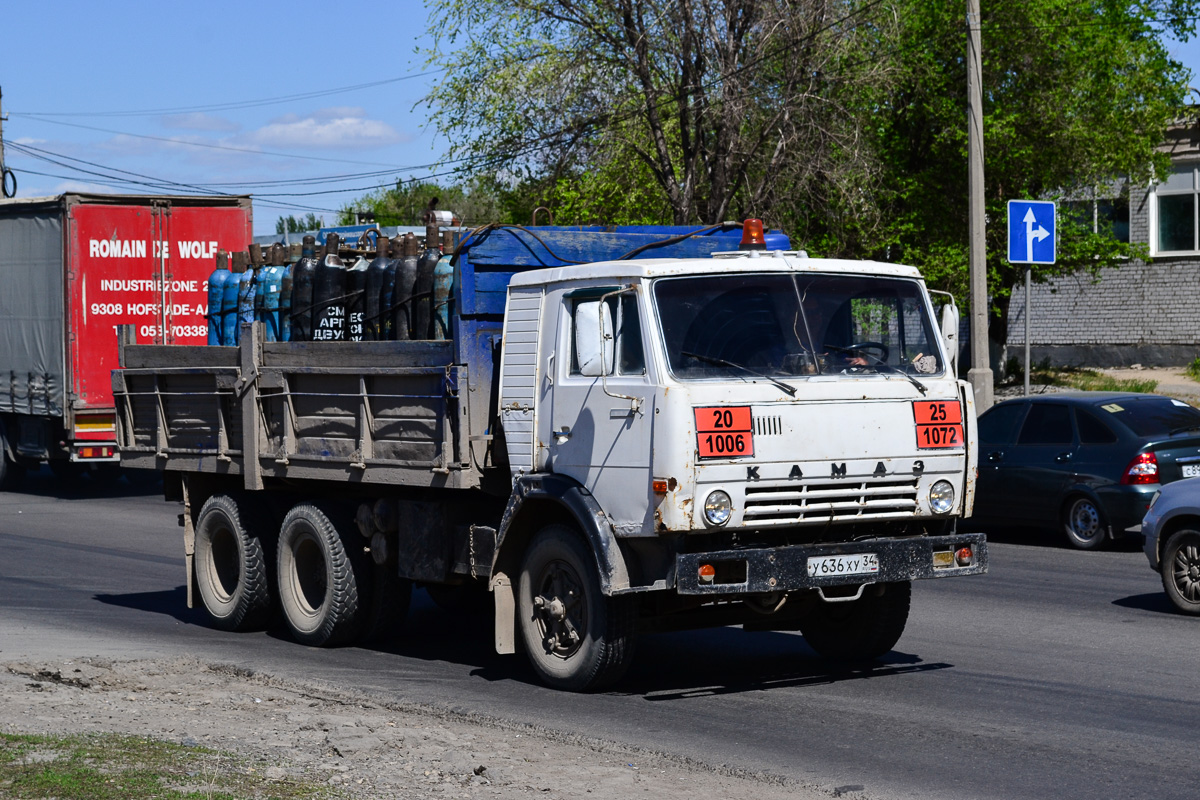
{"x":724,"y":432}
{"x":939,"y":423}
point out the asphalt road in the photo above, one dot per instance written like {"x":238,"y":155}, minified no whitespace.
{"x":1060,"y":674}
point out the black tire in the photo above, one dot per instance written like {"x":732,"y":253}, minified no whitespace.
{"x":391,"y":596}
{"x":1084,"y":524}
{"x":1180,"y":570}
{"x":231,"y":564}
{"x":861,"y":630}
{"x":558,"y":595}
{"x":324,"y":580}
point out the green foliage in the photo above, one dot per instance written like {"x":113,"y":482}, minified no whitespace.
{"x":1075,"y":95}
{"x":290,"y":224}
{"x":473,"y":202}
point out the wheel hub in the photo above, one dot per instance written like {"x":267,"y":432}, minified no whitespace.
{"x":559,"y":611}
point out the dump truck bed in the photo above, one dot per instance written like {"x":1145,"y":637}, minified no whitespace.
{"x":361,"y":412}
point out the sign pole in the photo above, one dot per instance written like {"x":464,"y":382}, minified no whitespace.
{"x":1028,"y":308}
{"x":980,"y":374}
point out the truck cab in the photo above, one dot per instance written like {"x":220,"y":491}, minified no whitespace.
{"x":754,"y":429}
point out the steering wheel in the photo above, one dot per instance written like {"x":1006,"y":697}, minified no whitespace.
{"x":880,"y":346}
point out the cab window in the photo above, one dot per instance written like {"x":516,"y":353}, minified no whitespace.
{"x":626,"y":353}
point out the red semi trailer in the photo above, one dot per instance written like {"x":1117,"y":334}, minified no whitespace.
{"x":72,"y":268}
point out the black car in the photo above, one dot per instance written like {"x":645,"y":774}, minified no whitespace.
{"x":1086,"y":463}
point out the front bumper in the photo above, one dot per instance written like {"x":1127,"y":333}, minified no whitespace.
{"x":785,"y":569}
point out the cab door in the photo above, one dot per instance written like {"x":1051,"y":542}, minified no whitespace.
{"x":602,"y":403}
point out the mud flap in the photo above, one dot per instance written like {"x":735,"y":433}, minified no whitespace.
{"x":506,"y":613}
{"x":189,"y":543}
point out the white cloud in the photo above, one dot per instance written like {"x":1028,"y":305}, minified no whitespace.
{"x":338,"y":127}
{"x":199,"y":122}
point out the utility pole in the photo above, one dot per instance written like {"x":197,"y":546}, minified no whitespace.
{"x":980,"y":374}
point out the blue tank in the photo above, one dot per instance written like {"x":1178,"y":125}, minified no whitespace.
{"x":443,"y":288}
{"x":247,"y":284}
{"x":229,"y":301}
{"x":216,"y":288}
{"x":267,"y":294}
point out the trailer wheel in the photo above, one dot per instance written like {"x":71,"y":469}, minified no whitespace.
{"x":231,"y":571}
{"x":861,"y":630}
{"x":576,"y":638}
{"x":323,"y":578}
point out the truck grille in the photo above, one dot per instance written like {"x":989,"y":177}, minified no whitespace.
{"x":767,"y":426}
{"x":851,"y":499}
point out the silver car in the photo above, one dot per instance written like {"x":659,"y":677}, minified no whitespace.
{"x":1172,"y":531}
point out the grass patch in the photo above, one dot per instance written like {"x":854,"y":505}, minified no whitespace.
{"x":1089,"y":380}
{"x":1086,"y":380}
{"x":112,"y":767}
{"x":1193,"y":369}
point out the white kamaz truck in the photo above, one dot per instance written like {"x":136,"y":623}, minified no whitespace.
{"x":628,"y":430}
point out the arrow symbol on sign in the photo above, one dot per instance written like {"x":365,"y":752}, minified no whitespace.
{"x":1032,"y":235}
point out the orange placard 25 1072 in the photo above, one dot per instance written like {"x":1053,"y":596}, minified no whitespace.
{"x":939,"y":424}
{"x":724,"y":432}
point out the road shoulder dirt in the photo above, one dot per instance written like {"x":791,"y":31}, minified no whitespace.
{"x":358,"y":745}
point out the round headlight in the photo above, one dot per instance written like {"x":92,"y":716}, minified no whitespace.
{"x":718,"y":508}
{"x":941,"y":497}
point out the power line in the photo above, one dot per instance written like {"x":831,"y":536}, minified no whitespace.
{"x":204,"y":145}
{"x":230,"y":106}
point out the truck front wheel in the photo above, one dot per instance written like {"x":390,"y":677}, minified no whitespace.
{"x":323,"y":580}
{"x":231,"y":571}
{"x":576,"y":638}
{"x":860,"y":630}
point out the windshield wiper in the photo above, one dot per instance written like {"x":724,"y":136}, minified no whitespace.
{"x":791,"y":390}
{"x":880,"y":363}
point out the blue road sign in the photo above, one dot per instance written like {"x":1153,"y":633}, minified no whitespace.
{"x":1031,"y":238}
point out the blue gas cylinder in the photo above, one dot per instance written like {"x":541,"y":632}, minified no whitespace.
{"x":229,"y":300}
{"x":267,"y":294}
{"x":216,"y":288}
{"x":247,"y":284}
{"x":443,"y":288}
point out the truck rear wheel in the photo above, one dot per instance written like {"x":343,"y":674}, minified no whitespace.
{"x":576,"y":638}
{"x":230,"y":560}
{"x":323,"y":578}
{"x":863,"y":629}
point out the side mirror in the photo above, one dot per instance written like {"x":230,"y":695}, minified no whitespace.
{"x":594,"y":338}
{"x":950,"y":334}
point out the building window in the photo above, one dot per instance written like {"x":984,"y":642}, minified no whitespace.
{"x":1175,"y":228}
{"x":1108,"y":215}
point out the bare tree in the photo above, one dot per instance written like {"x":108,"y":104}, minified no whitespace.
{"x":732,"y":106}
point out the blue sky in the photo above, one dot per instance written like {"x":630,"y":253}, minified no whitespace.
{"x":72,"y":72}
{"x":66,"y":65}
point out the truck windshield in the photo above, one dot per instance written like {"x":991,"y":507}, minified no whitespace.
{"x":789,"y":325}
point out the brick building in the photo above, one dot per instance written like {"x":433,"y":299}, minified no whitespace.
{"x":1145,"y":312}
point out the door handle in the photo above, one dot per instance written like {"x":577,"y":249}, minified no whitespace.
{"x":561,"y":436}
{"x":995,"y":455}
